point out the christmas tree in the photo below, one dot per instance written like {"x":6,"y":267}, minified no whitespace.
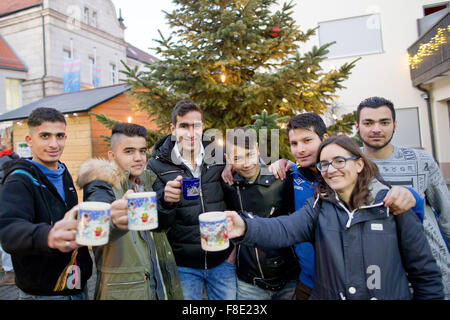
{"x":235,"y":58}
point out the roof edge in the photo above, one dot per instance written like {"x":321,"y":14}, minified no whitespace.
{"x":21,"y":9}
{"x":127,"y":88}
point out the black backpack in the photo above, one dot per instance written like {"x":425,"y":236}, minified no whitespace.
{"x":3,"y":160}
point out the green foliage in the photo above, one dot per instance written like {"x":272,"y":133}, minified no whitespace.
{"x":343,"y":125}
{"x":270,"y":122}
{"x":233,"y":38}
{"x":107,"y":122}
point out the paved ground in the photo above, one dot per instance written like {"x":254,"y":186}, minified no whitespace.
{"x":11,"y":292}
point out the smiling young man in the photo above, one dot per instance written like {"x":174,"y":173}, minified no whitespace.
{"x":376,"y":124}
{"x":36,"y":227}
{"x":182,"y":154}
{"x":262,"y":274}
{"x":133,"y":265}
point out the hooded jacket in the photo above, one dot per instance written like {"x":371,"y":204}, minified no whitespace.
{"x":29,"y":208}
{"x":124,"y":264}
{"x":184,"y":233}
{"x":364,"y":254}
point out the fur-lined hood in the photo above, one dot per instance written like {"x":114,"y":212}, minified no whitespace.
{"x":100,"y":169}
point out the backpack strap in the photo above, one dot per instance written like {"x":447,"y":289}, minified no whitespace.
{"x":33,"y":179}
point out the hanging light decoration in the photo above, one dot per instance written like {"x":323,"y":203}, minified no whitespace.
{"x":429,"y":48}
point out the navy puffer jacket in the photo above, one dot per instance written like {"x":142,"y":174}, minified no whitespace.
{"x":364,"y":254}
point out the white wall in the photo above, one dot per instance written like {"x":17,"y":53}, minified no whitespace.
{"x":385,"y":74}
{"x":439,"y":97}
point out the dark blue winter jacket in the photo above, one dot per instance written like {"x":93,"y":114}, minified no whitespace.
{"x":364,"y":254}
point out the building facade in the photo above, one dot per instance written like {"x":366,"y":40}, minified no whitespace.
{"x":52,"y":35}
{"x":380,"y":33}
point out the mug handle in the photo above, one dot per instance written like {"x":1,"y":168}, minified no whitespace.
{"x":72,"y":214}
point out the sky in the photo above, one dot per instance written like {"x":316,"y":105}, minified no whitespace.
{"x":143,"y":18}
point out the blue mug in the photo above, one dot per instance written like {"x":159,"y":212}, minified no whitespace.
{"x":191,"y":188}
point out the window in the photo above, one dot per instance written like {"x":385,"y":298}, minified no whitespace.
{"x":94,"y":19}
{"x":91,"y":69}
{"x":67,"y":54}
{"x":353,"y":36}
{"x":432,"y":8}
{"x":86,"y":15}
{"x":113,"y":73}
{"x":13,"y":94}
{"x":408,"y":128}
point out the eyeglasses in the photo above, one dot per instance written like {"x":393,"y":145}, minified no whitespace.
{"x":337,"y":163}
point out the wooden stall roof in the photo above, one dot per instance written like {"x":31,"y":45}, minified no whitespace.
{"x":79,"y":101}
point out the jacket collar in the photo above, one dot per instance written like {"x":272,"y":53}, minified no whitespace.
{"x":265,"y":180}
{"x":144,"y":179}
{"x":373,"y":211}
{"x":164,"y":147}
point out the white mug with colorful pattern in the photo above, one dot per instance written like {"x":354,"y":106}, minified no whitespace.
{"x":213,"y":231}
{"x":93,"y":223}
{"x":142,"y":211}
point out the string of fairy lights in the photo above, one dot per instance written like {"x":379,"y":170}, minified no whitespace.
{"x":430,"y":48}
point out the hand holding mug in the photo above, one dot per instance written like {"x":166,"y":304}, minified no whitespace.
{"x":172,"y":191}
{"x":235,"y":225}
{"x":119,"y":216}
{"x":62,"y":235}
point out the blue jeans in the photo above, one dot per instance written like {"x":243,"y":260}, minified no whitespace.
{"x":220,"y":282}
{"x":81,"y":296}
{"x":247,"y":291}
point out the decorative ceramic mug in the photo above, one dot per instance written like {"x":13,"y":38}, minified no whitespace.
{"x":213,"y":231}
{"x":142,"y":211}
{"x":93,"y":223}
{"x":191,"y":188}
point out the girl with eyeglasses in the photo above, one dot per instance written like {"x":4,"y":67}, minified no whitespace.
{"x":361,"y":250}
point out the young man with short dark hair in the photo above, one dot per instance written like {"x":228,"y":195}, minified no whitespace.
{"x":182,"y":154}
{"x":36,"y":226}
{"x":133,"y":265}
{"x":262,"y":274}
{"x":376,"y":123}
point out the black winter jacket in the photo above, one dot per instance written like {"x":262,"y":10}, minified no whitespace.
{"x":359,"y":255}
{"x":29,"y":208}
{"x":184,"y":235}
{"x":266,"y":197}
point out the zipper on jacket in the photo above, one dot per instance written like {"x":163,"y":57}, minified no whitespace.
{"x":351,"y":214}
{"x":256,"y":249}
{"x":259,"y":264}
{"x":203,"y":211}
{"x":240,"y":198}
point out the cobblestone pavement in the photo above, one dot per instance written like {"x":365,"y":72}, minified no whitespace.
{"x":11,"y":292}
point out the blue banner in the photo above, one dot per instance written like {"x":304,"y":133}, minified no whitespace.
{"x":95,"y":76}
{"x":72,"y":75}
